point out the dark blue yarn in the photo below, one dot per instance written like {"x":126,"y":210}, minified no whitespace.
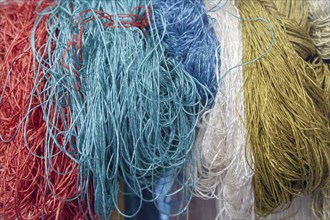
{"x":189,"y":37}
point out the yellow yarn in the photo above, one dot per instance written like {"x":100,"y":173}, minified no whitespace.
{"x":296,"y":12}
{"x":286,"y":106}
{"x":294,"y":17}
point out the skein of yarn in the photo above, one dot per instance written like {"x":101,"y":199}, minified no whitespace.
{"x":286,"y":112}
{"x":131,"y":110}
{"x":32,"y":186}
{"x":295,"y":15}
{"x":319,"y":21}
{"x":220,"y":146}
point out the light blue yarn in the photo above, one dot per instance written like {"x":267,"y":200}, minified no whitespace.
{"x":134,"y":115}
{"x":189,"y":37}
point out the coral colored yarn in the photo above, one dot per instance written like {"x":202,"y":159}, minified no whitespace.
{"x":24,"y":174}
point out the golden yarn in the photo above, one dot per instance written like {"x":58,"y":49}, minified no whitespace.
{"x":286,"y":106}
{"x":296,"y":12}
{"x":293,"y":15}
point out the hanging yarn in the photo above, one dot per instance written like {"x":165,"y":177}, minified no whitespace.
{"x":319,"y":21}
{"x":321,"y":76}
{"x":131,"y":111}
{"x":188,"y":36}
{"x":286,"y":112}
{"x":221,"y":140}
{"x":321,"y":198}
{"x":30,"y":187}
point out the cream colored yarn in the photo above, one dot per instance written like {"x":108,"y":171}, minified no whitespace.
{"x":224,"y":172}
{"x":319,"y":21}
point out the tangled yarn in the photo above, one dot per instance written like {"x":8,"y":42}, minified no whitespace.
{"x":220,"y":147}
{"x":188,"y":35}
{"x":31,"y":187}
{"x":129,"y":110}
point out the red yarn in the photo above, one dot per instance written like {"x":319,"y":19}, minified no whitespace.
{"x":24,"y":193}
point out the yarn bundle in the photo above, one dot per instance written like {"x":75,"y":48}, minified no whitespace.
{"x":213,"y":159}
{"x":225,"y":173}
{"x":114,"y":106}
{"x":286,"y":113}
{"x":188,"y":36}
{"x":222,"y":100}
{"x":32,"y":186}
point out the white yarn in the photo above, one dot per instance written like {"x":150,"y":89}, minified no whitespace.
{"x":319,"y":20}
{"x":321,"y":204}
{"x":319,"y":17}
{"x":223,"y":170}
